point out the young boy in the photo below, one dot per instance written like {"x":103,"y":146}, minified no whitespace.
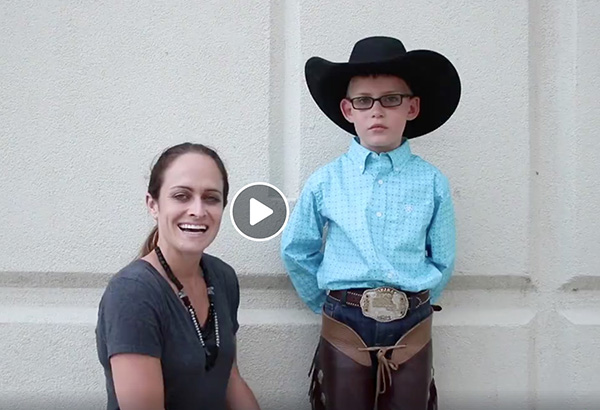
{"x":389,"y":224}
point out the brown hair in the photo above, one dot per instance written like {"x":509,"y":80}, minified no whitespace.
{"x":156,"y":180}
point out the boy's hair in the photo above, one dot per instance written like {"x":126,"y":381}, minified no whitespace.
{"x":375,"y":76}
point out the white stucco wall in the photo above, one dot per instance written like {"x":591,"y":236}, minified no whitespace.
{"x":90,"y":93}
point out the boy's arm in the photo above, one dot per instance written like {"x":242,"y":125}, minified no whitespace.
{"x":301,"y":244}
{"x":441,"y":237}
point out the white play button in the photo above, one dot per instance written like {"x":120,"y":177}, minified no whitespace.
{"x":258,"y":211}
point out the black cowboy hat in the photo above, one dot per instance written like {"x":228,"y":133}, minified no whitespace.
{"x":430,"y":75}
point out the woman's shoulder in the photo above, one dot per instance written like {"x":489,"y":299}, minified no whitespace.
{"x":135,"y":279}
{"x":221,"y":269}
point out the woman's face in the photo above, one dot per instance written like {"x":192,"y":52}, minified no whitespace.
{"x":189,"y":208}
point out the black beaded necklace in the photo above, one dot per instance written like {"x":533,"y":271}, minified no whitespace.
{"x":211,"y":357}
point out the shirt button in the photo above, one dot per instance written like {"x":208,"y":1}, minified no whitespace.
{"x":380,"y":182}
{"x":390,"y":275}
{"x":379,"y":214}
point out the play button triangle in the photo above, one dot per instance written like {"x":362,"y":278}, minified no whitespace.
{"x":258,"y":211}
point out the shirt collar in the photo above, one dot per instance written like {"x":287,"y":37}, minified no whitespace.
{"x":359,"y":154}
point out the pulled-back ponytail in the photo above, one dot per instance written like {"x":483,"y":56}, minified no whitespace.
{"x":150,"y":242}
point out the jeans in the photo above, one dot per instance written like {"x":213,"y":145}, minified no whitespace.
{"x":372,"y":332}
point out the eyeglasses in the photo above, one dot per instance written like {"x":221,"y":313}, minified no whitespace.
{"x":390,"y":100}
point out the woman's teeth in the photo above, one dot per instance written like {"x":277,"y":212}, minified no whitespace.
{"x":193,"y":228}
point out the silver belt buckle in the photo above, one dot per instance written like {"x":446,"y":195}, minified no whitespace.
{"x":384,"y":304}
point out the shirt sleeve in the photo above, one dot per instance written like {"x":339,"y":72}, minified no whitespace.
{"x":233,"y":295}
{"x":441,"y":236}
{"x":301,"y":245}
{"x":129,"y":320}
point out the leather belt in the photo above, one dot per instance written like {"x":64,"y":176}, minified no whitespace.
{"x":353,"y":297}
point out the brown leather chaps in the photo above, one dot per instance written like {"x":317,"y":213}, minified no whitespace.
{"x":342,"y":376}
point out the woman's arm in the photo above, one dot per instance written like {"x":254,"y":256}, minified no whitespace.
{"x":239,"y":395}
{"x":138,"y":381}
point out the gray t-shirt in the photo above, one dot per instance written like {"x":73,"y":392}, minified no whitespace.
{"x":140,"y":313}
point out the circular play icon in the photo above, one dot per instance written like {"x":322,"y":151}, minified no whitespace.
{"x":259,"y":211}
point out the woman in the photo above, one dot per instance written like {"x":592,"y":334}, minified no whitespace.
{"x":167,"y":321}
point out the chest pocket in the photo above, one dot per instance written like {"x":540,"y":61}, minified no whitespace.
{"x":410,"y":218}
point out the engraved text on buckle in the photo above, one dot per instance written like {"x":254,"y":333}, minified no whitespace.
{"x":384,"y":304}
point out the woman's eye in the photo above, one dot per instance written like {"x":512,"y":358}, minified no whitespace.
{"x":180,"y":197}
{"x":213,"y":199}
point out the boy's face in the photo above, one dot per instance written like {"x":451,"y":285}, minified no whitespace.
{"x":379,"y":128}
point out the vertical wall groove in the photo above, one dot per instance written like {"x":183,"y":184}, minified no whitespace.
{"x":285,"y":94}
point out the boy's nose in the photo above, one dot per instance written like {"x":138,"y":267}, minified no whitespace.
{"x":377,"y":109}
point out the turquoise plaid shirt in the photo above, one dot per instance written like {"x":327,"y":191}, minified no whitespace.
{"x":388,"y":220}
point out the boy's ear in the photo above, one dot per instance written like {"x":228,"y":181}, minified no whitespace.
{"x":414,"y":107}
{"x":346,"y":107}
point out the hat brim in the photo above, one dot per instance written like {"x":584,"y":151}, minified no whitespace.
{"x":430,"y":75}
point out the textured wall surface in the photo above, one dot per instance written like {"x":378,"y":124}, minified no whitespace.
{"x":90,"y":93}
